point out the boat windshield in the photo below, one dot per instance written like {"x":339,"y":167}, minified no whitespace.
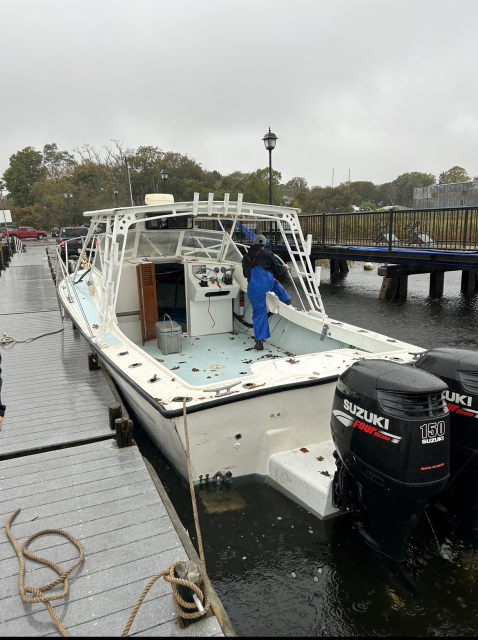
{"x":190,"y":243}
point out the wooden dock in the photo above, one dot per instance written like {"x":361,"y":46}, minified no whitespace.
{"x":52,"y":398}
{"x":60,"y":465}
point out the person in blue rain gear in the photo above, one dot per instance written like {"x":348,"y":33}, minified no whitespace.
{"x":259,"y":266}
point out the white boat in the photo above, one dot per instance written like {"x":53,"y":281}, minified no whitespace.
{"x":249,"y":412}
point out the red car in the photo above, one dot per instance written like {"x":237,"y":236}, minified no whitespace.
{"x":27,"y":232}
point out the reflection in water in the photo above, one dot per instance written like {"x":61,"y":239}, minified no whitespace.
{"x":280,"y":571}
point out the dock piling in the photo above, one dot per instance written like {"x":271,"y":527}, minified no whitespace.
{"x":124,"y":432}
{"x":93,"y":364}
{"x":114,"y":411}
{"x":468,"y":282}
{"x":437,"y":283}
{"x":6,"y":255}
{"x":338,"y":267}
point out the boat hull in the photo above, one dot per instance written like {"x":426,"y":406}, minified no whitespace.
{"x":241,"y":436}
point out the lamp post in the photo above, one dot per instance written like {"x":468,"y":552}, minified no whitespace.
{"x":68,"y":197}
{"x":164,"y":176}
{"x":270,"y":140}
{"x":115,"y":191}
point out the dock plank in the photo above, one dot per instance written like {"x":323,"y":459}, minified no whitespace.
{"x":123,"y":547}
{"x":51,"y":396}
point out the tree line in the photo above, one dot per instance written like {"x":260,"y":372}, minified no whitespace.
{"x":54,"y":187}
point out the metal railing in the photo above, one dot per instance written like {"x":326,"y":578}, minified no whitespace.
{"x":453,"y":229}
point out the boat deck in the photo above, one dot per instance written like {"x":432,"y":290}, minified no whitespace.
{"x":215,"y":358}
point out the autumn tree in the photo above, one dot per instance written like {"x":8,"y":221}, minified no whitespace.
{"x":257,"y":187}
{"x":26,"y":168}
{"x":455,"y":174}
{"x":407,"y":182}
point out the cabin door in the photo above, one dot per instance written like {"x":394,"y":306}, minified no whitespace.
{"x":148,"y":306}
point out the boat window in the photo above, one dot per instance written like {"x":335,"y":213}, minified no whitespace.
{"x":182,"y":222}
{"x":190,"y":243}
{"x":231,"y":252}
{"x":155,"y":243}
{"x":201,"y":243}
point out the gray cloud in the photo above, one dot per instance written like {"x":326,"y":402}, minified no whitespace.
{"x":376,"y":87}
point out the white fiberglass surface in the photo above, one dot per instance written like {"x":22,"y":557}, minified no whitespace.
{"x":214,"y":358}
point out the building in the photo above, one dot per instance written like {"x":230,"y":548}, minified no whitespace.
{"x":458,"y":194}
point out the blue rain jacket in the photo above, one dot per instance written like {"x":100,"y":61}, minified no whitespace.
{"x":260,"y":283}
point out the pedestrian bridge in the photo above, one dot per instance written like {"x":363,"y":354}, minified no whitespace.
{"x":408,"y":241}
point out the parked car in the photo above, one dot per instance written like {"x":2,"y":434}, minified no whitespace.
{"x":23,"y":233}
{"x":55,"y":231}
{"x":73,"y":238}
{"x":10,"y":227}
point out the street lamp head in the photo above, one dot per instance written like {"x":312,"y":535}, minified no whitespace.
{"x":270,"y":140}
{"x":164,"y":174}
{"x":115,"y":191}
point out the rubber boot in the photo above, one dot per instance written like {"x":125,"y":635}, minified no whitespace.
{"x":259,"y":346}
{"x":289,"y":301}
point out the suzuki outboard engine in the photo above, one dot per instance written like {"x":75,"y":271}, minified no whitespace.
{"x":390,"y":425}
{"x":459,"y":369}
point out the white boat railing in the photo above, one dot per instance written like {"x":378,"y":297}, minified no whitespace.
{"x":69,"y":283}
{"x":119,"y":221}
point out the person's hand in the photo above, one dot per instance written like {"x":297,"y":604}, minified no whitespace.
{"x":1,"y":421}
{"x":286,"y":266}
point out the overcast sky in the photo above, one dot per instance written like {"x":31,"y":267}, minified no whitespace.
{"x":374,"y":86}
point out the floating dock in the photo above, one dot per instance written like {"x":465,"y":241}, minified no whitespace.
{"x":61,"y":466}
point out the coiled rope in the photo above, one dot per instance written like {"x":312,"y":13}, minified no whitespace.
{"x":183,"y":608}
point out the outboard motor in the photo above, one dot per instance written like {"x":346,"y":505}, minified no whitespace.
{"x":390,"y":425}
{"x":459,"y":369}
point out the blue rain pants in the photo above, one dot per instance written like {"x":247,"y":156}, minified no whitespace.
{"x":260,"y":283}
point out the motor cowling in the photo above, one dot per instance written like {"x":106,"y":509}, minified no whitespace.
{"x":458,"y":368}
{"x":390,"y":425}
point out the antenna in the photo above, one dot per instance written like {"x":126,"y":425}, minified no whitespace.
{"x":332,"y":177}
{"x":129,"y":181}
